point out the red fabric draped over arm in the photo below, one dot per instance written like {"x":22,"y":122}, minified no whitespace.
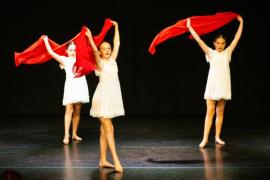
{"x":85,"y":60}
{"x":201,"y":24}
{"x":34,"y":54}
{"x":37,"y":52}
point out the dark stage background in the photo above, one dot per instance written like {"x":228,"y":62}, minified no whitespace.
{"x":170,"y":83}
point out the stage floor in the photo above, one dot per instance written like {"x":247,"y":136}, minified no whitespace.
{"x":148,"y":147}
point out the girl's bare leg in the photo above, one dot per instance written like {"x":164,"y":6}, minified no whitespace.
{"x":109,"y":133}
{"x":219,"y":120}
{"x":103,"y":149}
{"x":75,"y":121}
{"x":68,"y":116}
{"x":208,"y":121}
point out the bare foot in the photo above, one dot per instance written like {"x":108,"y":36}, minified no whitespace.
{"x":118,"y":167}
{"x":76,"y":138}
{"x":118,"y":176}
{"x":203,"y":144}
{"x":105,"y":164}
{"x":219,"y":141}
{"x":66,"y":140}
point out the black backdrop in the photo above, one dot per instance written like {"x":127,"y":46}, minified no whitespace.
{"x":171,"y":82}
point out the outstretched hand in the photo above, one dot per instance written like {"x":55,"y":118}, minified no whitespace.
{"x":45,"y":37}
{"x":239,"y":18}
{"x":88,"y":33}
{"x":114,"y":23}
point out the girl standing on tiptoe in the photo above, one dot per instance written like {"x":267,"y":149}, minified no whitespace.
{"x":107,"y":100}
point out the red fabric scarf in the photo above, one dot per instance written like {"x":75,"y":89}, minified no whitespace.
{"x":85,"y":61}
{"x":201,"y":24}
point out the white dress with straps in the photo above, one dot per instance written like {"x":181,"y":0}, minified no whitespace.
{"x":107,"y":99}
{"x":219,"y":79}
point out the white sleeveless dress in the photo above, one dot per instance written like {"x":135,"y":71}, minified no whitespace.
{"x":219,"y":79}
{"x":107,"y":99}
{"x":75,"y":89}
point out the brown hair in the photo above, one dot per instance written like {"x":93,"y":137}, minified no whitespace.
{"x":219,"y":36}
{"x":70,"y":43}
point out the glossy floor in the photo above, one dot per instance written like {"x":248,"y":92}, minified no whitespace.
{"x":148,"y":147}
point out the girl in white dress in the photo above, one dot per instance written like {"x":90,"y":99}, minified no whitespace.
{"x":107,"y":99}
{"x":218,"y":87}
{"x":75,"y":90}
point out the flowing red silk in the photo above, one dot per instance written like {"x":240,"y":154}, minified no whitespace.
{"x":85,"y":61}
{"x":201,"y":24}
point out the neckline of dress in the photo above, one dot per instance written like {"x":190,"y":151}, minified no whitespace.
{"x":108,"y":60}
{"x":71,"y":58}
{"x":220,"y":52}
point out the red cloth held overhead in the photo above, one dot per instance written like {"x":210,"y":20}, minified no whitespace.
{"x":85,"y":62}
{"x":201,"y":24}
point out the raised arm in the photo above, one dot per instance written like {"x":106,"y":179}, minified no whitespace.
{"x":94,"y":47}
{"x":237,"y":36}
{"x":201,"y":43}
{"x":116,"y":41}
{"x":51,"y":52}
